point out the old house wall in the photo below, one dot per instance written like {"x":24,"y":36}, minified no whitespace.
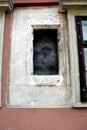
{"x":25,"y":88}
{"x":32,"y":118}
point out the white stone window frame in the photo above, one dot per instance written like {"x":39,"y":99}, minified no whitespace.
{"x":2,"y":18}
{"x":75,"y":80}
{"x":50,"y":80}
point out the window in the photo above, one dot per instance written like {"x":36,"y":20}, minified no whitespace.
{"x":81,"y":24}
{"x":45,"y":57}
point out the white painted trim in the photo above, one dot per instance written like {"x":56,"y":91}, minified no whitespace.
{"x":74,"y":2}
{"x":2,"y":17}
{"x":59,"y":106}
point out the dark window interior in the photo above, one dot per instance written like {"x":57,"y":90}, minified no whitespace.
{"x":81,"y":27}
{"x":45,"y":57}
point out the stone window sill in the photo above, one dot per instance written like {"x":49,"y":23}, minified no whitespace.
{"x":80,"y":105}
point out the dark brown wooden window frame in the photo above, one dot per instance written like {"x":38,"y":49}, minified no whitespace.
{"x":24,"y":3}
{"x":81,"y":46}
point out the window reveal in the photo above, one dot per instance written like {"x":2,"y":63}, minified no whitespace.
{"x":45,"y":56}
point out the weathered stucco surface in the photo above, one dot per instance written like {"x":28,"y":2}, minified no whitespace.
{"x":24,"y":88}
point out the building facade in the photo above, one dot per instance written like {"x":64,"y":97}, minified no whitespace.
{"x":43,"y":55}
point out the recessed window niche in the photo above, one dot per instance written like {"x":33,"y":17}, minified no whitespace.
{"x":45,"y":57}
